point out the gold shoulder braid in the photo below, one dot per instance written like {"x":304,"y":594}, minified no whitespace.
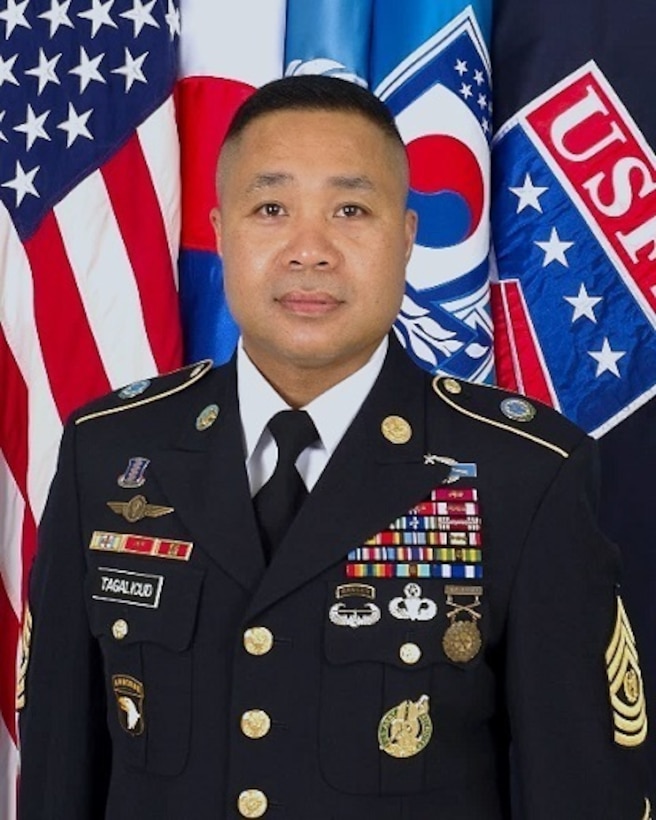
{"x":627,"y":695}
{"x":160,"y":388}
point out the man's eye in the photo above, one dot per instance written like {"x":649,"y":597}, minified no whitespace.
{"x":270,"y":209}
{"x":350,"y":211}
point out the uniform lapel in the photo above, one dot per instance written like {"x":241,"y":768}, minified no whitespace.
{"x":368,"y":482}
{"x":204,"y":475}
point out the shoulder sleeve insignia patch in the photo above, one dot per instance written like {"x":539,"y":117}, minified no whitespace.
{"x":627,"y":695}
{"x":26,"y":640}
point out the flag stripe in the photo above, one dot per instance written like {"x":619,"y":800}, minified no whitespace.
{"x":105,"y":280}
{"x":9,"y":769}
{"x":66,"y":336}
{"x":161,"y":149}
{"x":135,"y":204}
{"x":8,"y":641}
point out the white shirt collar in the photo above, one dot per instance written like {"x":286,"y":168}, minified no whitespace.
{"x":332,"y":412}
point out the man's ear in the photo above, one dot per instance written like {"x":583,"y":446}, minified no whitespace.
{"x":215,"y":219}
{"x":411,"y":220}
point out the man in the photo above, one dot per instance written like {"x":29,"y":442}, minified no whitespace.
{"x":441,"y":604}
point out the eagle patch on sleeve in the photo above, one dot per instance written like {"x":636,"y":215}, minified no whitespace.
{"x":26,"y":639}
{"x":627,"y":695}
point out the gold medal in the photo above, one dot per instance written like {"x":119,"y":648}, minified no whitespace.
{"x":406,"y":729}
{"x":462,"y":641}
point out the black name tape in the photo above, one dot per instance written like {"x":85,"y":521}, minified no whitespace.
{"x":122,"y":586}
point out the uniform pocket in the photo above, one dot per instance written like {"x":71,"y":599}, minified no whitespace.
{"x":144,"y":618}
{"x":388,"y":684}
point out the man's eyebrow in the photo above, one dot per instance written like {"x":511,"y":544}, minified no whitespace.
{"x":352,"y":183}
{"x":269,"y":180}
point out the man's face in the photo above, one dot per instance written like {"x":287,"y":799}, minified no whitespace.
{"x":315,"y":237}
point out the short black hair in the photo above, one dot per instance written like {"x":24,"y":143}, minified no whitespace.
{"x":313,"y":92}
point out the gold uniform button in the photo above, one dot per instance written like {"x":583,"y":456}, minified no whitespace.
{"x":252,"y":803}
{"x":120,"y":629}
{"x":410,"y":653}
{"x":258,"y":640}
{"x":452,"y":386}
{"x":255,"y":723}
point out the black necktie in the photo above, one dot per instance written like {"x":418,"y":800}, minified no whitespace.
{"x":277,"y":503}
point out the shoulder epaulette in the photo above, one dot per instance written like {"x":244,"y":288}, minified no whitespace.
{"x":512,"y":412}
{"x":146,"y":391}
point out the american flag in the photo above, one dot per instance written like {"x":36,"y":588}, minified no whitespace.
{"x":89,"y":234}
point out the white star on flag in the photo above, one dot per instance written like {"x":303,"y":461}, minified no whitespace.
{"x":33,"y":127}
{"x":172,"y":18}
{"x":76,"y":125}
{"x":45,"y":71}
{"x":461,"y":67}
{"x":22,"y":183}
{"x":98,"y":14}
{"x":57,"y":16}
{"x":583,"y":304}
{"x":528,"y":195}
{"x":2,"y":135}
{"x":141,"y":15}
{"x":7,"y":70}
{"x":132,"y":69}
{"x":87,"y":69}
{"x":465,"y":90}
{"x":482,"y":101}
{"x":607,"y":359}
{"x":554,"y":249}
{"x":479,"y":79}
{"x":14,"y":15}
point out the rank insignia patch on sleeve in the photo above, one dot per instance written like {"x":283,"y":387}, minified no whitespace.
{"x":625,"y":682}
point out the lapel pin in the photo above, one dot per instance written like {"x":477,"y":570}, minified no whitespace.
{"x":137,"y":508}
{"x":396,"y":429}
{"x":207,"y":417}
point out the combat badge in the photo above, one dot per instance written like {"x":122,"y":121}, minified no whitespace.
{"x":129,"y":694}
{"x":26,"y":640}
{"x":406,"y":729}
{"x":462,"y":639}
{"x":627,"y":696}
{"x":412,"y":607}
{"x":367,"y":614}
{"x":133,"y":476}
{"x":137,"y":508}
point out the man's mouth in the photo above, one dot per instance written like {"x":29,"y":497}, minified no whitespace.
{"x":316,"y":303}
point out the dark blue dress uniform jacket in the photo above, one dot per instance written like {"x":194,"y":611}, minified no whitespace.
{"x":540,"y":692}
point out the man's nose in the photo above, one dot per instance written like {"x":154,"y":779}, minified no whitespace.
{"x":310,"y":245}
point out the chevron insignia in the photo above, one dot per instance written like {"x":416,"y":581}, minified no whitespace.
{"x":627,"y":695}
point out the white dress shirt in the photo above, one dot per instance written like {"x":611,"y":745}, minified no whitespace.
{"x":332,"y":412}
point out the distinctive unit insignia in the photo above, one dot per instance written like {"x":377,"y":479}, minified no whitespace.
{"x":207,"y":417}
{"x":412,"y":607}
{"x":137,"y":508}
{"x":129,"y":694}
{"x":462,"y":639}
{"x":134,"y":389}
{"x":366,"y":614}
{"x":406,"y":729}
{"x":518,"y":409}
{"x":133,"y":476}
{"x":627,"y":696}
{"x":396,"y":429}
